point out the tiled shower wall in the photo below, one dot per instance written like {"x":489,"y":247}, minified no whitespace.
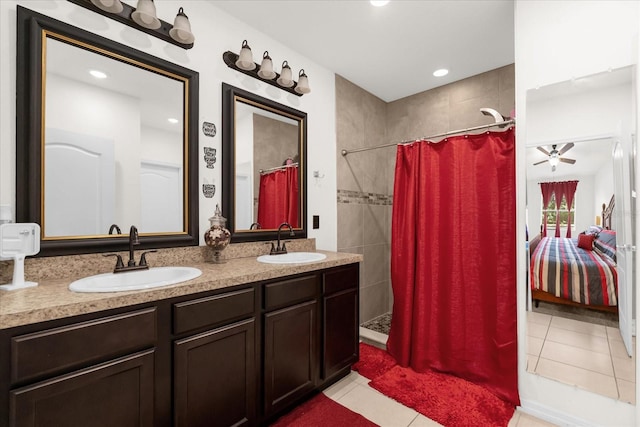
{"x":365,"y":179}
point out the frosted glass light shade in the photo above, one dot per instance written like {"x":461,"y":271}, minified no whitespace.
{"x":303,"y":83}
{"x":245,"y":59}
{"x":145,"y":15}
{"x":113,"y":6}
{"x":285,"y":79}
{"x":266,"y":68}
{"x":181,"y":31}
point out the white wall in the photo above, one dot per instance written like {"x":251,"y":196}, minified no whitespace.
{"x":216,"y":32}
{"x":555,"y":41}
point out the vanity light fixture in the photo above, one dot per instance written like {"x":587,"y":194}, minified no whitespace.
{"x":441,"y":72}
{"x":98,"y":74}
{"x":112,"y":6}
{"x":245,"y":60}
{"x":303,"y":83}
{"x":181,"y":30}
{"x":266,"y":68}
{"x":145,"y":15}
{"x":264,"y":72}
{"x":285,"y":79}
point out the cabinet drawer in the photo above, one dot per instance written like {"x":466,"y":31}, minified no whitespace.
{"x":290,"y":291}
{"x":341,"y":279}
{"x":213,"y":311}
{"x":59,"y":349}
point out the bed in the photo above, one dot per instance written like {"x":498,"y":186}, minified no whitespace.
{"x":577,"y":271}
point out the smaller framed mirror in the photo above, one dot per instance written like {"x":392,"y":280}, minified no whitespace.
{"x":264,"y":162}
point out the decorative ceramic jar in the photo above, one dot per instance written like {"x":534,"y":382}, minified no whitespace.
{"x":217,"y":236}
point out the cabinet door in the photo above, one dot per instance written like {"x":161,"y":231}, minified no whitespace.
{"x":116,"y":393}
{"x":290,"y":360}
{"x":340,"y":332}
{"x":214,"y":377}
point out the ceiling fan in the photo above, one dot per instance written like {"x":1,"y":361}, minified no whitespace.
{"x":554,"y":155}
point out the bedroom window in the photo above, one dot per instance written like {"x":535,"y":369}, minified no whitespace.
{"x":562,"y":212}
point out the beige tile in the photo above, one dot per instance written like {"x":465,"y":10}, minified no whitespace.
{"x":374,"y":173}
{"x":578,"y":357}
{"x":422,"y":421}
{"x":617,"y":348}
{"x":625,"y":368}
{"x":478,"y":86}
{"x":578,"y":326}
{"x":583,"y":378}
{"x":374,"y":301}
{"x":513,"y":422}
{"x":540,"y":318}
{"x":526,"y":420}
{"x":350,"y":230}
{"x":578,"y":339}
{"x":536,"y":330}
{"x":532,"y":362}
{"x":377,"y":408}
{"x":468,"y":111}
{"x":342,"y":387}
{"x":613,"y":334}
{"x":377,"y":259}
{"x":627,"y":391}
{"x":375,"y":224}
{"x":534,"y":345}
{"x":349,"y":171}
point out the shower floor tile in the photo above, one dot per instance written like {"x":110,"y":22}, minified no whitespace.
{"x":380,"y":324}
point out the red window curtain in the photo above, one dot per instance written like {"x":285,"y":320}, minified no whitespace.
{"x":569,"y":194}
{"x":278,"y":198}
{"x":546,"y":190}
{"x":453,"y":264}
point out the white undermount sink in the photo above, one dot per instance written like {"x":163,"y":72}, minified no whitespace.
{"x":135,"y":280}
{"x":292,"y":258}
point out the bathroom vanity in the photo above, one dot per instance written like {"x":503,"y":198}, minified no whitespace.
{"x":239,"y":345}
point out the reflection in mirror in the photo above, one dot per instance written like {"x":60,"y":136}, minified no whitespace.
{"x":140,"y":159}
{"x":106,"y":138}
{"x":263,"y":155}
{"x":580,"y":315}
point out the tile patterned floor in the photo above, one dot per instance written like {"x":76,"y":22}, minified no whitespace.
{"x":586,"y":355}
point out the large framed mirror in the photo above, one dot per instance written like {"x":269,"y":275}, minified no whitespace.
{"x":264,"y":164}
{"x":107,"y":138}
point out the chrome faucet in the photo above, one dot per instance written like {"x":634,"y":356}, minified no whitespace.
{"x":278,"y":250}
{"x":131,"y":264}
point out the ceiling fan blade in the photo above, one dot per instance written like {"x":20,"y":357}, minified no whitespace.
{"x":566,"y":148}
{"x":570,"y":161}
{"x":543,"y":150}
{"x":541,"y":162}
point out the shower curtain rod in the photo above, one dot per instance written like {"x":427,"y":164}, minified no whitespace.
{"x":451,"y":132}
{"x":277,"y":168}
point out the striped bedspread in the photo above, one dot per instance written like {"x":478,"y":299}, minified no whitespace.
{"x":560,"y":267}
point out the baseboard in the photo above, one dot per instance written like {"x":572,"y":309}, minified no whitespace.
{"x":551,"y":415}
{"x":374,"y":338}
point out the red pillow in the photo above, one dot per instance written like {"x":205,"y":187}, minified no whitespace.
{"x":585,"y":241}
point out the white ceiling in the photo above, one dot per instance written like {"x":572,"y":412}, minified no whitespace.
{"x":389,"y":51}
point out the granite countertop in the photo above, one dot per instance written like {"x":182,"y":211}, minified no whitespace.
{"x":52,"y":299}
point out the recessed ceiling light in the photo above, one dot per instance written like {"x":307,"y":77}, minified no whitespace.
{"x":379,"y":3}
{"x":98,"y":74}
{"x":441,"y":72}
{"x":172,"y":120}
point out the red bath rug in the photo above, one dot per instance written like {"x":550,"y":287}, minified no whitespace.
{"x":321,"y":411}
{"x":449,"y":400}
{"x":373,"y":361}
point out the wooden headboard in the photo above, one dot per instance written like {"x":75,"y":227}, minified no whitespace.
{"x":607,"y":214}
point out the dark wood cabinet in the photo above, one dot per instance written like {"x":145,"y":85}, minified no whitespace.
{"x":115,"y":393}
{"x":290,"y":355}
{"x":239,"y":356}
{"x":214,"y":377}
{"x":340,"y":322}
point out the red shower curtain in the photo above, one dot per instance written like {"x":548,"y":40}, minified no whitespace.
{"x":453,"y":264}
{"x":278,"y":198}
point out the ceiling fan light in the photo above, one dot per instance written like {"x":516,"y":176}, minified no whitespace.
{"x":554,"y":160}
